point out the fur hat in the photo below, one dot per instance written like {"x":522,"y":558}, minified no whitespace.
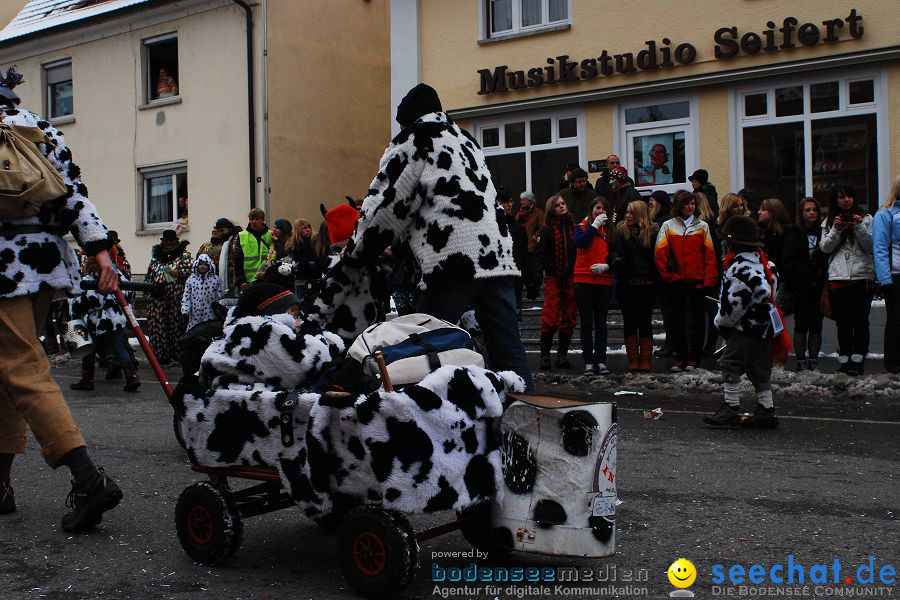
{"x":620,"y":173}
{"x":700,"y":175}
{"x":742,"y":230}
{"x":341,"y":221}
{"x":421,"y":100}
{"x":265,"y":299}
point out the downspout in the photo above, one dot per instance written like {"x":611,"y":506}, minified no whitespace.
{"x":251,"y":113}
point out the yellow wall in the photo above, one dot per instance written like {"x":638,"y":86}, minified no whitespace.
{"x":451,"y":56}
{"x":329,"y":96}
{"x":893,"y":121}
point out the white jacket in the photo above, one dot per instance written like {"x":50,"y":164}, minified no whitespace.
{"x":851,"y":260}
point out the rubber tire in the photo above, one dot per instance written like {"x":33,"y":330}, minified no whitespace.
{"x":403,"y":523}
{"x":207,"y":524}
{"x":480,"y":533}
{"x":395,"y":561}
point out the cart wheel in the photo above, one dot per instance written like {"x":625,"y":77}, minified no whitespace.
{"x":375,"y":552}
{"x":207,"y":523}
{"x":403,"y":523}
{"x":479,"y":532}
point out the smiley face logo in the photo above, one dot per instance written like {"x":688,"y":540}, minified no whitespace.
{"x":682,"y":573}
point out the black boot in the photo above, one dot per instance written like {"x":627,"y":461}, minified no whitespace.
{"x":86,"y":383}
{"x":562,"y":351}
{"x":114,"y":371}
{"x":132,"y":383}
{"x":546,"y":344}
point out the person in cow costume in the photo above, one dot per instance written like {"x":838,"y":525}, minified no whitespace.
{"x":434,"y":191}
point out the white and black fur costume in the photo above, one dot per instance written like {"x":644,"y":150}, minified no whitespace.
{"x":746,"y":294}
{"x":30,"y":262}
{"x":100,"y":312}
{"x":200,"y":291}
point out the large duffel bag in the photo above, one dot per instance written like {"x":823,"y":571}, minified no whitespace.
{"x":413,"y":346}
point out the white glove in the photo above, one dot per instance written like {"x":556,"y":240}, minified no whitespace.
{"x":599,"y":268}
{"x":599,"y":222}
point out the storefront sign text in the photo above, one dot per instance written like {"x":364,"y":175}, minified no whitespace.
{"x":729,"y":42}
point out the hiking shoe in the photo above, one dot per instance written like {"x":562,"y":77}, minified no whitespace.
{"x":88,"y":505}
{"x":600,"y":369}
{"x":802,"y":365}
{"x":762,"y":418}
{"x":726,"y":416}
{"x":545,"y":363}
{"x":7,"y":498}
{"x":678,"y":367}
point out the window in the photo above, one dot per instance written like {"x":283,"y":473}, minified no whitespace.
{"x":531,"y":152}
{"x":802,"y":139}
{"x":511,"y":17}
{"x":161,"y":64}
{"x":164,"y":195}
{"x":59,"y":89}
{"x":659,"y":144}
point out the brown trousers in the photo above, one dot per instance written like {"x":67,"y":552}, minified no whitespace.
{"x":28,"y":393}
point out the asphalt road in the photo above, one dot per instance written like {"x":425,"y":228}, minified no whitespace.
{"x":822,"y":487}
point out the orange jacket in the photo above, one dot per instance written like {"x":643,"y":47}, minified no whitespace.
{"x":591,"y":249}
{"x":693,"y":250}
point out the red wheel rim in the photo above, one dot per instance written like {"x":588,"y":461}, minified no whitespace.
{"x":200,"y":525}
{"x":369,"y":554}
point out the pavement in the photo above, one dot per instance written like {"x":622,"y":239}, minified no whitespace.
{"x":824,"y":486}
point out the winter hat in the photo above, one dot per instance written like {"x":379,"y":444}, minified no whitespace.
{"x":662,"y":198}
{"x":169,"y":235}
{"x":742,"y":230}
{"x":285,"y":226}
{"x":620,"y":173}
{"x":223,"y":223}
{"x":341,"y":220}
{"x":421,"y":100}
{"x":700,"y":175}
{"x":265,"y":299}
{"x":113,"y":236}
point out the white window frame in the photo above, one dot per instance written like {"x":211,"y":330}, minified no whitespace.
{"x":147,"y":76}
{"x":878,"y":107}
{"x":47,"y":98}
{"x":517,"y":30}
{"x":555,"y":141}
{"x":690,"y":125}
{"x":151,"y":172}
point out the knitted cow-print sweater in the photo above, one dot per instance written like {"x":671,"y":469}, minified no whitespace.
{"x":30,"y":262}
{"x":746,"y":293}
{"x":434,"y":189}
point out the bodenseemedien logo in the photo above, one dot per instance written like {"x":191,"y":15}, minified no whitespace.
{"x":682,"y":574}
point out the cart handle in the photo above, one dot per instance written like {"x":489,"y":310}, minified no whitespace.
{"x":382,"y":369}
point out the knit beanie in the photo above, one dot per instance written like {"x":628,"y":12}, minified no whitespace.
{"x":620,"y":173}
{"x":223,"y":223}
{"x":265,"y":299}
{"x":341,"y":220}
{"x":663,"y":199}
{"x":421,"y":100}
{"x":285,"y":226}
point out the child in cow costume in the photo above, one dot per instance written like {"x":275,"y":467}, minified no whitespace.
{"x":744,"y":321}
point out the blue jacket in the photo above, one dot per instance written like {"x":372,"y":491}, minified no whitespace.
{"x":886,"y":243}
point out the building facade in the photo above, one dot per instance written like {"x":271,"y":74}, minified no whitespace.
{"x":783,"y":99}
{"x":183,"y":111}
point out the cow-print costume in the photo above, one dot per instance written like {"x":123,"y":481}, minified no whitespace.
{"x":100,"y":312}
{"x":30,"y":262}
{"x":746,"y":293}
{"x":200,"y":291}
{"x":433,"y":190}
{"x":430,"y":447}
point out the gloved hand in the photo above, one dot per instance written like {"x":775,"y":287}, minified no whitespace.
{"x":599,"y":222}
{"x":883,"y":290}
{"x":599,"y":268}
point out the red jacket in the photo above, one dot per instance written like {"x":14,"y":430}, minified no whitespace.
{"x":591,"y":248}
{"x":693,"y":251}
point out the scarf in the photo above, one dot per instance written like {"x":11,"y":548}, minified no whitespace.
{"x":562,"y":237}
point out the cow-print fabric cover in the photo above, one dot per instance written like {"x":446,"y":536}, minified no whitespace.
{"x":426,"y":448}
{"x":100,"y":312}
{"x":745,"y":296}
{"x":200,"y":291}
{"x":268,"y":349}
{"x":345,"y":303}
{"x":30,"y":262}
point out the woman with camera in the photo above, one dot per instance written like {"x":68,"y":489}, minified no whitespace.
{"x":686,"y":260}
{"x":847,"y":238}
{"x":595,"y":259}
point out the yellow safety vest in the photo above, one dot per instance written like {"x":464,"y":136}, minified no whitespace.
{"x":254,"y":252}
